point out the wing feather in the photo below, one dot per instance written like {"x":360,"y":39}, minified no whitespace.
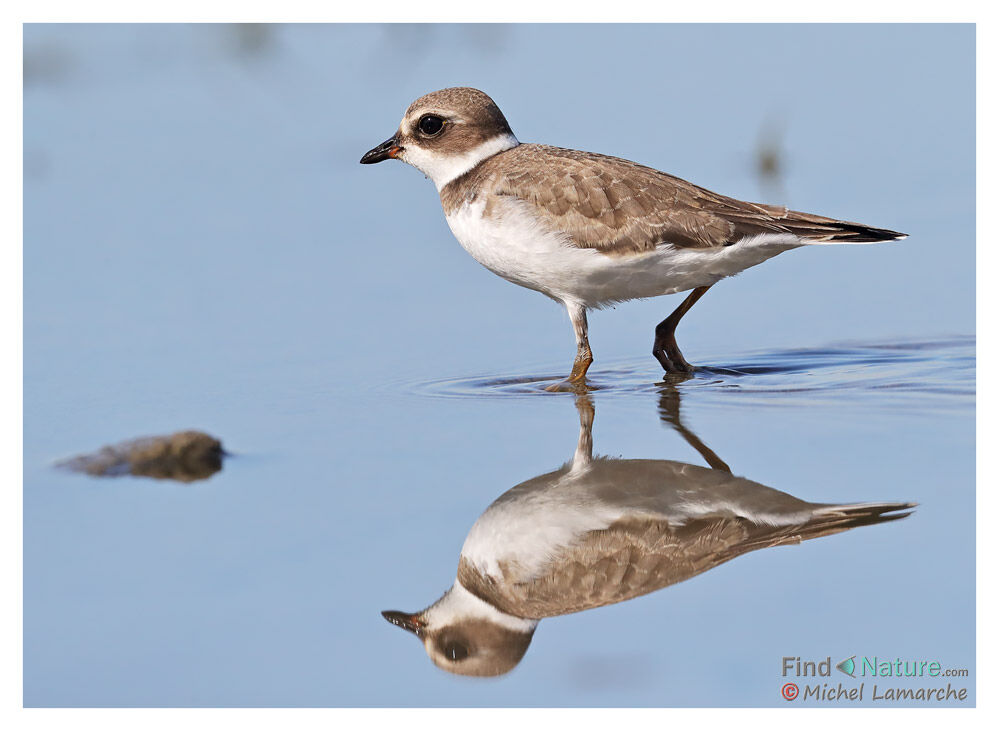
{"x":636,"y":556}
{"x":619,"y":207}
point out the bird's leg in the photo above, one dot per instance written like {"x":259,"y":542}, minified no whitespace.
{"x":584,"y":446}
{"x":584,"y":356}
{"x":669,"y":413}
{"x":665,"y":349}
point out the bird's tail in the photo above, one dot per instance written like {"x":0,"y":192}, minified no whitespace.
{"x":812,"y":229}
{"x":827,"y":520}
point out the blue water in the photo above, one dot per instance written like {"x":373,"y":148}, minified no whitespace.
{"x":203,"y":251}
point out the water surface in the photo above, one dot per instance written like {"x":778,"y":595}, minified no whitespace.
{"x":202,"y":251}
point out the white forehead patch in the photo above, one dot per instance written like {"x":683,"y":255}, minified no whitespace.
{"x":443,"y":167}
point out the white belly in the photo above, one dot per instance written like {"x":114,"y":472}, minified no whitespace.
{"x":526,"y":532}
{"x":514,"y":245}
{"x":538,"y":519}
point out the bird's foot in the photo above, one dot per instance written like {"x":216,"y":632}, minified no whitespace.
{"x":671,"y":359}
{"x":569,"y":385}
{"x":576,"y":382}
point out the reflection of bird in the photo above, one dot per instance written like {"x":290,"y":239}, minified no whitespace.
{"x":600,"y":531}
{"x":590,"y":230}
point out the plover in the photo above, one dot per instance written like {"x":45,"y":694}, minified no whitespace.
{"x":600,"y":531}
{"x":590,"y":230}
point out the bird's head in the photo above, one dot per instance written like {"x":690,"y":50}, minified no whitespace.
{"x":464,"y":637}
{"x":446,"y":133}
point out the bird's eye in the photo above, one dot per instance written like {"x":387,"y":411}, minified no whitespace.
{"x":431,"y":124}
{"x":455,"y":651}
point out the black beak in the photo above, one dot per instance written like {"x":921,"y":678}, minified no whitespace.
{"x":388,"y":149}
{"x":408,"y":622}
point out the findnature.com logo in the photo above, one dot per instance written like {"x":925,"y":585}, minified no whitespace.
{"x":870,"y":667}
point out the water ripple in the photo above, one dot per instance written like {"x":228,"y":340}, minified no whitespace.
{"x":927,"y":374}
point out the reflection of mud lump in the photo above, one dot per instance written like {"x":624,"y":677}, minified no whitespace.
{"x":185,"y":456}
